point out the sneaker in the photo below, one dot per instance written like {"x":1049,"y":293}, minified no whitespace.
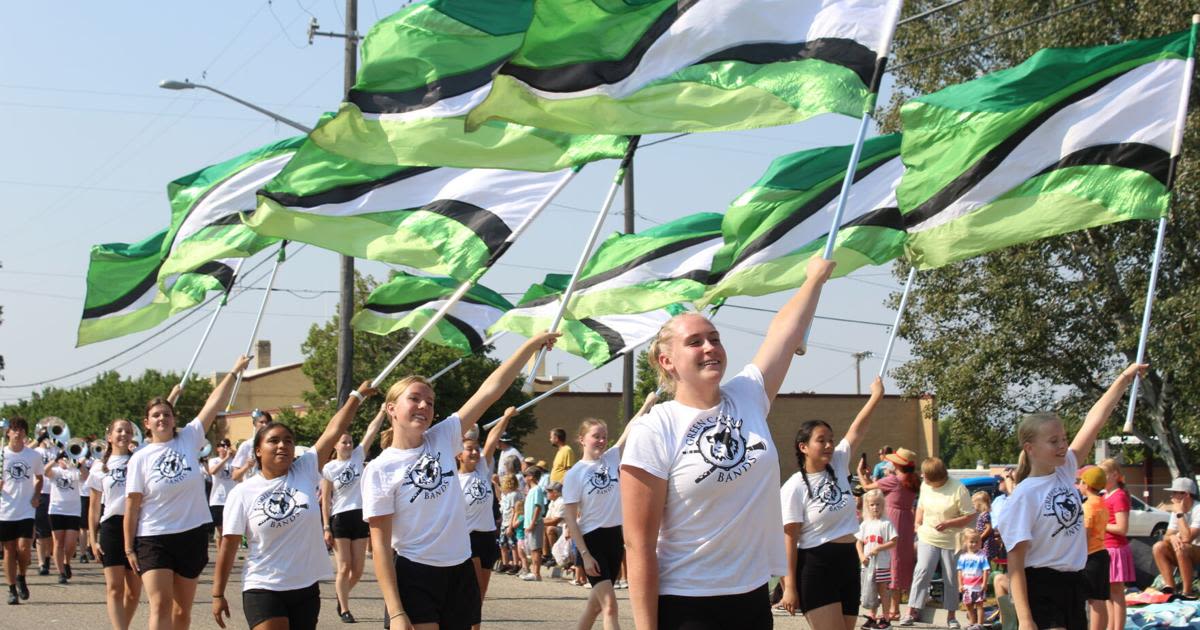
{"x":869,"y":623}
{"x":529,"y":577}
{"x":587,"y":585}
{"x":62,"y":578}
{"x":12,"y":596}
{"x":347,"y":617}
{"x":45,"y":568}
{"x":621,"y":584}
{"x":67,"y":570}
{"x":83,"y":558}
{"x":907,"y":620}
{"x":953,"y":624}
{"x":22,"y":587}
{"x":882,"y":623}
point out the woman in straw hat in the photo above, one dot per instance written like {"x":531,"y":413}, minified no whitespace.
{"x":900,"y":490}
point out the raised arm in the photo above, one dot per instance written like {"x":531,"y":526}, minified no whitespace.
{"x":493,"y":438}
{"x":373,"y":429}
{"x":219,"y":398}
{"x":646,"y":406}
{"x":340,"y":422}
{"x":498,"y":381}
{"x":1100,"y":412}
{"x":788,"y":329}
{"x":858,"y":428}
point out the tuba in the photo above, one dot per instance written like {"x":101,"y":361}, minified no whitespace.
{"x":206,"y":450}
{"x":98,"y":447}
{"x":77,"y":449}
{"x":56,"y":429}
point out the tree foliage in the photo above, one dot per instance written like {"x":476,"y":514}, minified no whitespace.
{"x":1048,"y":325}
{"x":372,"y":353}
{"x":89,"y":409}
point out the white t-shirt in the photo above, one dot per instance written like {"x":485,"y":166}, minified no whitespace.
{"x":502,"y":468}
{"x":21,"y":471}
{"x":245,"y":453}
{"x":111,"y":484}
{"x":1193,"y":523}
{"x":827,"y":514}
{"x":346,"y":477}
{"x":222,"y":484}
{"x":48,"y":455}
{"x":719,"y":532}
{"x":1047,"y":512}
{"x":594,"y":487}
{"x":478,"y":497}
{"x":169,"y":478}
{"x":875,"y":533}
{"x":419,"y":488}
{"x":64,"y":492}
{"x":85,"y":486}
{"x":281,"y":520}
{"x":555,"y":509}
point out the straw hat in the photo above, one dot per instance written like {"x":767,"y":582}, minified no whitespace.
{"x":902,"y":457}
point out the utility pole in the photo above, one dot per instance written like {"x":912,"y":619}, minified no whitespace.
{"x":858,"y":359}
{"x":627,"y":362}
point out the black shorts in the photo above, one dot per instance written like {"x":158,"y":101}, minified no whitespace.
{"x":1056,"y":598}
{"x":751,"y":611}
{"x":185,"y":553}
{"x":84,"y":503}
{"x":828,"y":574}
{"x":112,"y":542}
{"x":15,"y":530}
{"x":62,"y":522}
{"x":301,"y":607}
{"x":218,"y":515}
{"x":447,"y":596}
{"x":41,"y":523}
{"x":485,"y":547}
{"x":1095,"y":575}
{"x":607,"y":547}
{"x":349,"y":524}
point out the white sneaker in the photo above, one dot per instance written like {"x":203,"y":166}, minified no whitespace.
{"x":529,"y":577}
{"x":587,"y":585}
{"x":620,"y":584}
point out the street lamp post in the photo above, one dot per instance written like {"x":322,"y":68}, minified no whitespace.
{"x":188,"y":85}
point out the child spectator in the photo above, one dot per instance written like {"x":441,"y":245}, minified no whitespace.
{"x":508,"y":535}
{"x":1095,"y":521}
{"x":876,"y":538}
{"x":973,"y":569}
{"x":983,"y":524}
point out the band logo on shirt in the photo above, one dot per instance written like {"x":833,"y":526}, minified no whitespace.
{"x":117,"y":475}
{"x":1062,"y":504}
{"x":829,"y":495}
{"x":723,"y":446}
{"x":171,"y":467}
{"x":278,"y":507}
{"x":476,"y":491}
{"x":601,"y":480}
{"x":427,"y":477}
{"x":18,"y":471}
{"x":348,"y":475}
{"x":63,"y":483}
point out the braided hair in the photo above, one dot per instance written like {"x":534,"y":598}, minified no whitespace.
{"x":802,"y":437}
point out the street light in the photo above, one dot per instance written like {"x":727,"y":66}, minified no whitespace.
{"x":188,"y":85}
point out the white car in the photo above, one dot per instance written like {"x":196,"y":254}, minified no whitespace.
{"x":1146,"y":521}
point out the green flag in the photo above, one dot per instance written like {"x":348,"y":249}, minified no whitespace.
{"x":409,"y":302}
{"x":205,"y":206}
{"x":1070,"y":139}
{"x":423,"y":68}
{"x":773,"y":228}
{"x":652,"y":66}
{"x":123,"y":292}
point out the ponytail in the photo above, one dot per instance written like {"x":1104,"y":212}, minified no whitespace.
{"x":1027,"y":431}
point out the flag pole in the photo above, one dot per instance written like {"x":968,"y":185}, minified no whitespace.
{"x":618,"y":179}
{"x":546,"y":394}
{"x":208,"y":329}
{"x":262,"y":308}
{"x":1172,"y":172}
{"x":864,"y":125}
{"x":487,"y":342}
{"x":466,"y":285}
{"x":887,"y":354}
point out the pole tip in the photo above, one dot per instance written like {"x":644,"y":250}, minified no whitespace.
{"x":1196,"y":18}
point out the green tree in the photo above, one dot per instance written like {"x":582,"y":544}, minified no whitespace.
{"x":372,"y":353}
{"x":88,"y":409}
{"x":1048,"y":325}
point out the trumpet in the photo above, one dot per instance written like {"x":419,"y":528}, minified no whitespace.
{"x":205,"y":450}
{"x":77,"y":449}
{"x":98,"y":447}
{"x":56,"y":429}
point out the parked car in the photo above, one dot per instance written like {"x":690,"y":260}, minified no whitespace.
{"x":987,"y":484}
{"x":1146,"y":521}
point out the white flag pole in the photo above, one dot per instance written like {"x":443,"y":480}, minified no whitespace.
{"x":587,"y":247}
{"x":1176,"y":150}
{"x":457,"y":362}
{"x":466,"y":286}
{"x":887,"y":354}
{"x":208,"y":329}
{"x":262,"y":309}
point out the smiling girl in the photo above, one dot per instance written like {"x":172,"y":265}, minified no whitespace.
{"x":107,"y":534}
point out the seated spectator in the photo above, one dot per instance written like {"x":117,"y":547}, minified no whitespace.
{"x":553,"y":520}
{"x":1178,"y":548}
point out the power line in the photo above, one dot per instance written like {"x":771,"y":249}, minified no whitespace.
{"x":825,"y":317}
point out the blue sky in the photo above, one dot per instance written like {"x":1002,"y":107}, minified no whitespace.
{"x":91,"y":143}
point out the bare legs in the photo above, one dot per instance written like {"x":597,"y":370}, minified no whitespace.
{"x":1116,"y":606}
{"x":601,"y":601}
{"x":350,"y":556}
{"x":64,"y":548}
{"x":170,"y":599}
{"x":123,"y":587}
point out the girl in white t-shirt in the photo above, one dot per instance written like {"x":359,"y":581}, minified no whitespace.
{"x":64,"y":478}
{"x":1042,"y":521}
{"x":819,"y":523}
{"x":277,"y":511}
{"x":700,"y":475}
{"x":413,"y":502}
{"x":875,"y":540}
{"x":220,"y":468}
{"x":106,"y":536}
{"x":475,"y":479}
{"x":166,"y":511}
{"x":592,"y":512}
{"x":341,"y":506}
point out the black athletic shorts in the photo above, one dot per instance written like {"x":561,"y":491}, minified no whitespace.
{"x":447,"y":596}
{"x":84,"y":503}
{"x":218,"y":515}
{"x":62,"y":522}
{"x":1095,"y":575}
{"x":14,"y":530}
{"x":349,"y":524}
{"x":827,"y":574}
{"x":41,"y":523}
{"x":112,"y":542}
{"x":748,"y":611}
{"x":485,"y":547}
{"x":607,"y":547}
{"x":1057,"y":599}
{"x":185,"y":553}
{"x":301,"y":607}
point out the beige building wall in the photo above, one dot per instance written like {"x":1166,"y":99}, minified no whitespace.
{"x":266,"y":387}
